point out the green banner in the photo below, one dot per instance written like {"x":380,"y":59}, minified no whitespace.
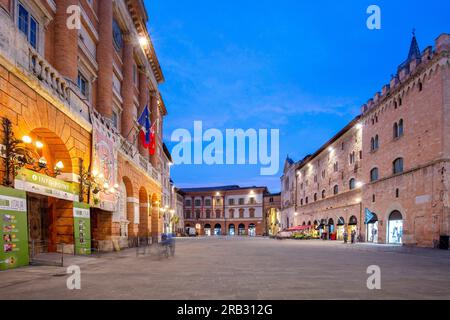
{"x":32,"y":181}
{"x":14,"y":229}
{"x":82,"y":228}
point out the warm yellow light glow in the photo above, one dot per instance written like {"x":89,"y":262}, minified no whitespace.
{"x":27,"y":140}
{"x":39,"y":145}
{"x":95,"y":173}
{"x":296,"y":214}
{"x":112,"y":190}
{"x":359,"y":126}
{"x":217,"y":193}
{"x":143,"y":41}
{"x":116,"y":186}
{"x":359,"y":184}
{"x":106,"y":185}
{"x":330,"y":149}
{"x":101,"y":176}
{"x":60,"y":165}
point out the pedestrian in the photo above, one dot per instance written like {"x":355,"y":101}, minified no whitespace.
{"x":353,"y":236}
{"x":345,"y":236}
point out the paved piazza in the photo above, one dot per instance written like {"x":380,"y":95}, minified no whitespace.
{"x":243,"y":268}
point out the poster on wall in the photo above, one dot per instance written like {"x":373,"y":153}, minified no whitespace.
{"x":82,"y":228}
{"x":104,"y":163}
{"x":14,"y":229}
{"x":31,"y":181}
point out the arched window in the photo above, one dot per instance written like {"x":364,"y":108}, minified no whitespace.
{"x":377,"y":144}
{"x":301,"y":202}
{"x":372,"y":144}
{"x":323,"y":194}
{"x":307,"y":200}
{"x":252,"y":212}
{"x":400,"y":128}
{"x":208,"y":214}
{"x":374,"y":174}
{"x":395,"y":130}
{"x":352,"y":184}
{"x":336,"y":189}
{"x":241,"y":213}
{"x":197,"y":214}
{"x":218,"y":214}
{"x":315,"y":197}
{"x":398,"y":166}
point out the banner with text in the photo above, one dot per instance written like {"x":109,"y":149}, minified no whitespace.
{"x":35,"y":182}
{"x":104,"y":161}
{"x":82,"y":228}
{"x":14,"y":229}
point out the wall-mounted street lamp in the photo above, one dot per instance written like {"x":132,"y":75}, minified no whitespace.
{"x":95,"y":182}
{"x":18,"y":153}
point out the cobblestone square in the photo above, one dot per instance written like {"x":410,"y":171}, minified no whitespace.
{"x":243,"y":268}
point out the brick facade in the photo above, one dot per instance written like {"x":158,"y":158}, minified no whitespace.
{"x":397,"y":153}
{"x":49,"y":90}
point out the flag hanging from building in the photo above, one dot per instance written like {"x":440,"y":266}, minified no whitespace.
{"x":369,"y":216}
{"x":152,"y":145}
{"x":144,"y":131}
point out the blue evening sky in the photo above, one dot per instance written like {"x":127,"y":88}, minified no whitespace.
{"x":304,"y":67}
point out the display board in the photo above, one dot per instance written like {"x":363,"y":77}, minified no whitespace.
{"x":82,"y":228}
{"x":14,"y":229}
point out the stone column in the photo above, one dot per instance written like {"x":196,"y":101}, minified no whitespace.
{"x":128,"y":90}
{"x":105,"y":59}
{"x":66,"y":42}
{"x":143,"y":101}
{"x":155,"y":223}
{"x":154,"y":116}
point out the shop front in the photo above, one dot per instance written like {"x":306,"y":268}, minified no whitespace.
{"x":217,"y":229}
{"x":241,"y":229}
{"x":395,"y":228}
{"x":316,"y":231}
{"x":352,"y":227}
{"x":340,"y":229}
{"x":371,"y":222}
{"x":252,"y":230}
{"x":331,"y":230}
{"x":231,"y":230}
{"x":207,"y":230}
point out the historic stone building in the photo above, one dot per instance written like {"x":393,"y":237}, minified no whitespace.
{"x":76,"y":90}
{"x":228,"y":210}
{"x":386,"y":174}
{"x":272,"y":213}
{"x":288,"y":197}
